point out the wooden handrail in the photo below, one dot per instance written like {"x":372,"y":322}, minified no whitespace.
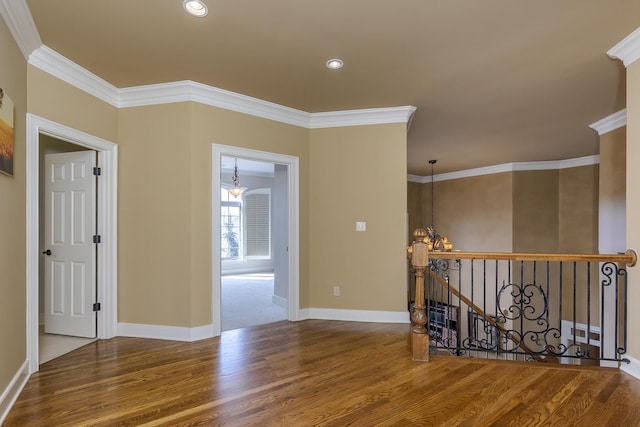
{"x":490,"y":319}
{"x":629,"y":257}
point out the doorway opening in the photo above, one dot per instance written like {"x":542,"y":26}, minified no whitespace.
{"x":268,"y":245}
{"x":106,"y":256}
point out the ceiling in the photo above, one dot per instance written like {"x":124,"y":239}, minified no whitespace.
{"x":247,"y":167}
{"x":494,"y":81}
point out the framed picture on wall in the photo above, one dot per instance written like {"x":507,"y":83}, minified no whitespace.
{"x":6,"y":133}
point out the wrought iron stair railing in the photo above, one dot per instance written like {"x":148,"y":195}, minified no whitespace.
{"x":540,"y":307}
{"x":487,"y":320}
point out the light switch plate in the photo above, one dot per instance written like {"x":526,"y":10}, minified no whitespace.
{"x":361,"y":226}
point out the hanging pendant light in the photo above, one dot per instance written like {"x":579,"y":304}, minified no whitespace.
{"x":236,"y":190}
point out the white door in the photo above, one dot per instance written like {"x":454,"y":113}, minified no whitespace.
{"x":70,"y":224}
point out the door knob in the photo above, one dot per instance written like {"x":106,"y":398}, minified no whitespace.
{"x":47,"y":252}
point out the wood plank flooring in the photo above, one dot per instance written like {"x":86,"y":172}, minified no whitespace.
{"x":313,"y":373}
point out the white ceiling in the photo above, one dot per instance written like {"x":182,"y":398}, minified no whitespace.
{"x":494,"y":81}
{"x":248,"y":167}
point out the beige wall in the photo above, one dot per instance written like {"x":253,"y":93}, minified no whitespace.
{"x":612,"y":195}
{"x":535,"y":211}
{"x":415,"y":202}
{"x":165,"y":200}
{"x":13,"y":81}
{"x":633,"y":201}
{"x":165,"y":262}
{"x":154,"y":274}
{"x":358,"y":174}
{"x":578,"y":210}
{"x":211,"y":125}
{"x":55,"y":100}
{"x":475,"y":212}
{"x":522,"y":211}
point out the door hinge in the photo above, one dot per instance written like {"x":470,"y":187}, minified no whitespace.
{"x":96,"y":306}
{"x":97,"y":238}
{"x":97,"y":171}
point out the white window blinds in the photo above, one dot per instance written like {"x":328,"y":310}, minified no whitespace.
{"x":257,"y":209}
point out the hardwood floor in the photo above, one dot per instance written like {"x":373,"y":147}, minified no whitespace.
{"x":313,"y":373}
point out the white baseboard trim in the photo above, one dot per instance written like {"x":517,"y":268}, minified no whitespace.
{"x":632,"y":368}
{"x":13,"y":390}
{"x":159,"y":332}
{"x":355,"y":315}
{"x":279,"y":301}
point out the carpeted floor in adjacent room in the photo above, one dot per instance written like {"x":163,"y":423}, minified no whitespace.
{"x":247,"y":301}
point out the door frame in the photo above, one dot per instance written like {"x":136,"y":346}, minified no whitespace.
{"x":107,"y":227}
{"x":293,"y":185}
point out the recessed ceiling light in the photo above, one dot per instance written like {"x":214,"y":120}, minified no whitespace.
{"x":334,"y":64}
{"x":195,"y":8}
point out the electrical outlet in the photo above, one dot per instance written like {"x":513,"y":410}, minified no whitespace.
{"x":336,"y":291}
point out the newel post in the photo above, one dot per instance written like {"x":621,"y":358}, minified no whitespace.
{"x":419,"y":256}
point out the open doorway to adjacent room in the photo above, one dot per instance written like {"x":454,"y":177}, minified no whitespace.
{"x":253,"y":243}
{"x":255,"y":238}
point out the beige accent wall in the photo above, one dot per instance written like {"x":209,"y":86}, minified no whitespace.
{"x":358,"y":174}
{"x":612,"y":195}
{"x":633,"y":201}
{"x":535,"y":211}
{"x":578,"y":210}
{"x":522,"y":211}
{"x":475,"y":213}
{"x":13,"y":81}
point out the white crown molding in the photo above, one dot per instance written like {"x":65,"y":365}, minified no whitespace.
{"x":370,"y":116}
{"x":50,"y":61}
{"x":182,"y":91}
{"x":628,"y":50}
{"x":579,"y":161}
{"x":419,"y":179}
{"x":17,"y":16}
{"x":610,"y":123}
{"x":58,"y":66}
{"x":509,"y":167}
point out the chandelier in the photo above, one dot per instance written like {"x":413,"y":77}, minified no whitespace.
{"x":434,"y":241}
{"x":236,"y":190}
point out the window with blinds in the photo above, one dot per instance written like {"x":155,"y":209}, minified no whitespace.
{"x":257,"y":217}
